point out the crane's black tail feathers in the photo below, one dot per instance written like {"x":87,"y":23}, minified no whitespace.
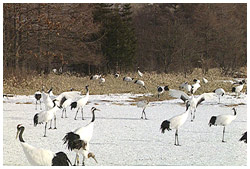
{"x":35,"y":119}
{"x":74,"y":141}
{"x":244,"y":137}
{"x":73,"y":105}
{"x":61,"y":159}
{"x":212,"y":121}
{"x":233,"y":89}
{"x":165,"y":125}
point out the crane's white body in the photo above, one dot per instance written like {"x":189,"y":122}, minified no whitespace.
{"x":69,"y":95}
{"x":193,"y":101}
{"x":204,"y":80}
{"x":67,"y":103}
{"x":220,"y":92}
{"x":239,"y":88}
{"x":95,"y":77}
{"x":37,"y":156}
{"x":195,"y":86}
{"x":140,"y":73}
{"x":101,"y":80}
{"x":127,"y":79}
{"x":223,"y":120}
{"x":47,"y":101}
{"x":178,"y":120}
{"x":83,"y":101}
{"x":85,"y":132}
{"x":140,"y":83}
{"x":47,"y":115}
{"x":187,"y":87}
{"x":142,"y":104}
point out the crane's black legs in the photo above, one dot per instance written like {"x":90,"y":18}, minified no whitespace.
{"x":176,"y":140}
{"x":50,"y":124}
{"x":82,"y":113}
{"x":143,"y":112}
{"x":45,"y":130}
{"x":55,"y":122}
{"x":223,"y":135}
{"x":76,"y":113}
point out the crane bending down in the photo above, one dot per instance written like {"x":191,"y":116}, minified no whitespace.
{"x":78,"y":140}
{"x":39,"y":156}
{"x":175,"y":123}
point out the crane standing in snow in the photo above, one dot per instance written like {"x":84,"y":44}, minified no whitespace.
{"x":39,"y":156}
{"x":222,"y":120}
{"x":78,"y":140}
{"x":143,"y":104}
{"x":46,"y":116}
{"x":175,"y":123}
{"x":81,"y":103}
{"x":38,"y":96}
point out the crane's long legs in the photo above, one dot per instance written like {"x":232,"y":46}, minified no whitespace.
{"x":83,"y":159}
{"x":176,"y":140}
{"x":82,"y":113}
{"x":223,"y":135}
{"x":65,"y":113}
{"x":45,"y":130}
{"x":191,"y":115}
{"x":77,"y":159}
{"x":55,"y":122}
{"x":50,"y":124}
{"x":76,"y":113}
{"x":62,"y":113}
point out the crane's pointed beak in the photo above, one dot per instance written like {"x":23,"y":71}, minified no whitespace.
{"x":94,"y":159}
{"x":98,"y":109}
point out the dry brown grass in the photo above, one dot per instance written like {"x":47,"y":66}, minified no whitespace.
{"x":64,"y":82}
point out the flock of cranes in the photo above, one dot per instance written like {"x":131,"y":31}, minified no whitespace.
{"x":78,"y":140}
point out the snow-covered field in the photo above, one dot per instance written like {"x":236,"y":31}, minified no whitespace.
{"x":121,"y":138}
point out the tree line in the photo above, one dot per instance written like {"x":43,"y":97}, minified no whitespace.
{"x":90,"y":38}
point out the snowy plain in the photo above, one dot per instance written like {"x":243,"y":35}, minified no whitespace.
{"x":122,"y":138}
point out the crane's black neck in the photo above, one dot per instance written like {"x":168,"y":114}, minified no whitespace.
{"x":93,"y":117}
{"x":21,"y":134}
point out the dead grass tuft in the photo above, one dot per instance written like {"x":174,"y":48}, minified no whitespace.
{"x":64,"y":82}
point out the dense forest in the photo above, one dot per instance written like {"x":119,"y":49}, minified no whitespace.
{"x":106,"y":38}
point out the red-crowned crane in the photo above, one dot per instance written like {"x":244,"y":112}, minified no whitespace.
{"x":175,"y":123}
{"x":78,"y":140}
{"x":46,"y":116}
{"x":191,"y":100}
{"x":222,"y":120}
{"x":81,"y":103}
{"x":38,"y":96}
{"x":39,"y":156}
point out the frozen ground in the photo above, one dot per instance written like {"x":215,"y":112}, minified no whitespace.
{"x":121,"y":138}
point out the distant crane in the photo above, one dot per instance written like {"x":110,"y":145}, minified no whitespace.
{"x":143,"y":104}
{"x":38,"y":96}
